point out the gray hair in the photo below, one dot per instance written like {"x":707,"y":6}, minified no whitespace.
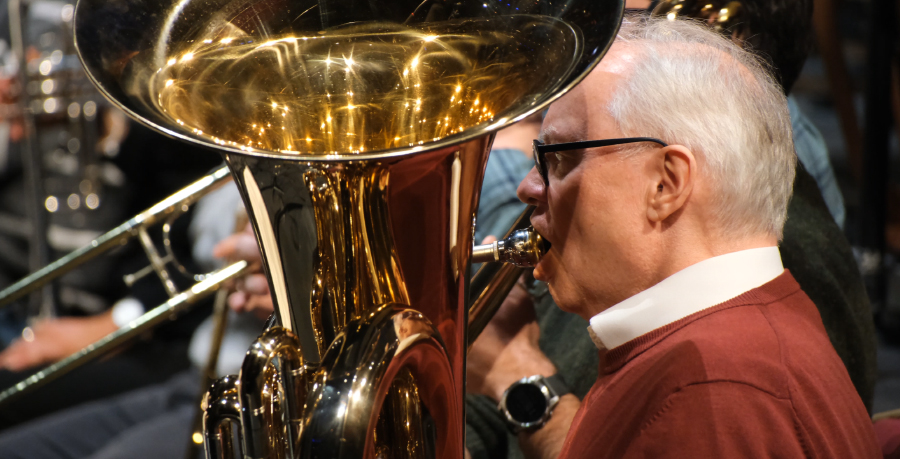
{"x":690,"y":86}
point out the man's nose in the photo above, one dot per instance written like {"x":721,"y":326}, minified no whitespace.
{"x":531,"y":190}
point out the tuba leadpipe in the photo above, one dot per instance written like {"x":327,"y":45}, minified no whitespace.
{"x":358,"y":134}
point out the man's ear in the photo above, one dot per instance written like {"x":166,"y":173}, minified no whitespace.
{"x":673,"y":168}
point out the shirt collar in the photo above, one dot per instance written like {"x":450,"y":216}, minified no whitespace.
{"x":702,"y":285}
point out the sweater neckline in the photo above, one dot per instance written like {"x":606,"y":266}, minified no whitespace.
{"x":774,"y":290}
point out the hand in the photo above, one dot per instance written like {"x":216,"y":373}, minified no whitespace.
{"x":507,"y":350}
{"x":251,"y":292}
{"x":55,"y":339}
{"x":9,"y":88}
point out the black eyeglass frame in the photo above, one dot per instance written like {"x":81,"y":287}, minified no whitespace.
{"x":540,"y":149}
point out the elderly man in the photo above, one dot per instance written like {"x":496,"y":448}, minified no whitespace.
{"x":709,"y":348}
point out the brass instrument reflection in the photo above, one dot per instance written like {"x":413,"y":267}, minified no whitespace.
{"x":353,"y":226}
{"x":721,"y":15}
{"x":360,"y":88}
{"x":403,"y":422}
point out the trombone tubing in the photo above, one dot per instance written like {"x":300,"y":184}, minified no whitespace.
{"x":119,"y":235}
{"x":135,"y":328}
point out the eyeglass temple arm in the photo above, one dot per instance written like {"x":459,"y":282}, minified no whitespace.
{"x":595,"y":144}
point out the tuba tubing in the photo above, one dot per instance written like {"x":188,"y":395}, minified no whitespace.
{"x":258,"y":388}
{"x":276,"y":348}
{"x":370,"y":351}
{"x":493,"y":281}
{"x":222,"y":413}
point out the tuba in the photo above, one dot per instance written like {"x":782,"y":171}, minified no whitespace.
{"x":358,"y":133}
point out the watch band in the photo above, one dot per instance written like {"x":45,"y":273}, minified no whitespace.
{"x":558,"y":385}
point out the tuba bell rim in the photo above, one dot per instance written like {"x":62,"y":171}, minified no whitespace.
{"x":575,"y":77}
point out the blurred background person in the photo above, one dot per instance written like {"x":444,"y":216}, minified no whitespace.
{"x":96,"y":169}
{"x":158,"y":420}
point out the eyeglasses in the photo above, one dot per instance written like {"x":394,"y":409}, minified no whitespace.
{"x":540,"y":150}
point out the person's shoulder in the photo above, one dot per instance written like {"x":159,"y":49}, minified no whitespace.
{"x":752,"y":339}
{"x":758,"y":340}
{"x":734,"y":343}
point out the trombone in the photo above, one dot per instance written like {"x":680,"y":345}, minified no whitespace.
{"x":137,"y":227}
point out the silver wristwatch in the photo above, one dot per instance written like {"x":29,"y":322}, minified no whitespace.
{"x":528,"y":403}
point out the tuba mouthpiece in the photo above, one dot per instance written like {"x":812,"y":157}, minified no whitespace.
{"x":522,"y":248}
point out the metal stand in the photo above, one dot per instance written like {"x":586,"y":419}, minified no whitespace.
{"x":41,"y":302}
{"x":220,"y":321}
{"x":878,"y":119}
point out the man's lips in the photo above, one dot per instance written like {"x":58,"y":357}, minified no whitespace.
{"x":538,"y":225}
{"x":540,"y":270}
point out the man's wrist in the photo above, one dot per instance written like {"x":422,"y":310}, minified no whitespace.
{"x":529,"y":403}
{"x":540,"y":365}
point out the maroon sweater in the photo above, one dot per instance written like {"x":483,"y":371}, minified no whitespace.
{"x":753,"y":377}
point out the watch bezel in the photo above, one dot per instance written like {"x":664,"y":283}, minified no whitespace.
{"x":551,"y":397}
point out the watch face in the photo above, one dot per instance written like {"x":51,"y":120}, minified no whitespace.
{"x":526,"y":403}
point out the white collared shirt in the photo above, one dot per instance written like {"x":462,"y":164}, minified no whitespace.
{"x":702,"y":285}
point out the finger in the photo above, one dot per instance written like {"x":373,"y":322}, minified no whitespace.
{"x":233,"y":285}
{"x":22,"y":357}
{"x":261,"y":314}
{"x":9,"y":352}
{"x":491,"y":238}
{"x":241,"y":246}
{"x":237,"y":301}
{"x":262,"y":303}
{"x":256,"y":284}
{"x":517,"y":309}
{"x":224,"y":248}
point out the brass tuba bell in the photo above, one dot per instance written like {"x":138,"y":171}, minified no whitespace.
{"x":358,"y":133}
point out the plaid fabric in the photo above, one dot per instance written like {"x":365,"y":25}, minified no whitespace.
{"x":499,"y":205}
{"x":813,"y":153}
